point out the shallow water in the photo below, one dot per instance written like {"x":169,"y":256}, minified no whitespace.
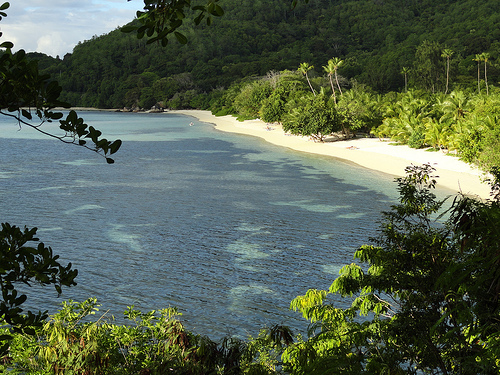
{"x":225,"y":227}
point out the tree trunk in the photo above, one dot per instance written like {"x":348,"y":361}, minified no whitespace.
{"x":333,"y":89}
{"x":337,"y":80}
{"x":478,"y":79}
{"x":485,"y":78}
{"x":447,"y":74}
{"x":307,"y":77}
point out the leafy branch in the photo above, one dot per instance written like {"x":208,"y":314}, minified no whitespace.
{"x":26,"y":94}
{"x":75,"y":132}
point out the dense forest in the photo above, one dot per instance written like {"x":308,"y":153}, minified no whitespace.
{"x":375,"y":39}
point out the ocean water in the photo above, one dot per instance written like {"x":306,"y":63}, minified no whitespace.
{"x":225,"y":227}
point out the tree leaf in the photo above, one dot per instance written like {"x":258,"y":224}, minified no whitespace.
{"x":115,"y":146}
{"x":180,"y":38}
{"x":128,"y":28}
{"x":7,"y":45}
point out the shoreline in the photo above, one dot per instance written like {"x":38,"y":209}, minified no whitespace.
{"x":370,"y":153}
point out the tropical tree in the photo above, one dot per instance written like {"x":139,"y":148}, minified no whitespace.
{"x":359,"y":109}
{"x":478,"y":58}
{"x":456,"y":106}
{"x":405,"y":71}
{"x":331,"y":70}
{"x":25,"y":264}
{"x":75,"y":340}
{"x":427,"y":65}
{"x":160,"y":19}
{"x":447,"y":53}
{"x":288,"y":87}
{"x":250,"y":98}
{"x":304,"y":68}
{"x":313,"y":116}
{"x":436,"y":133}
{"x":405,"y":120}
{"x":426,"y":299}
{"x":485,"y":57}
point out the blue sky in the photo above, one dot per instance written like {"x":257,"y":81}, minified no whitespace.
{"x":54,"y":27}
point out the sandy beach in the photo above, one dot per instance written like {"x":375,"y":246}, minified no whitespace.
{"x":370,"y":153}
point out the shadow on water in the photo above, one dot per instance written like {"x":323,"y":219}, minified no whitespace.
{"x":227,"y":228}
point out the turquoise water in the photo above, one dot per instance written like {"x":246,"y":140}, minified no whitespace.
{"x":225,"y":227}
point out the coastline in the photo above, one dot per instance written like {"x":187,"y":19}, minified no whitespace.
{"x":370,"y":153}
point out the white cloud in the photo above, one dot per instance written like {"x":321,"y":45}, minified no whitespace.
{"x":55,"y":27}
{"x":52,"y":44}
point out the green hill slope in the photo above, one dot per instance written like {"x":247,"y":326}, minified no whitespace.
{"x":375,"y":38}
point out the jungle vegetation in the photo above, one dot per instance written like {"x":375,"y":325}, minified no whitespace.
{"x":424,"y":294}
{"x":375,"y":39}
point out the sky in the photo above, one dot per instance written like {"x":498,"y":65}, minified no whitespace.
{"x":54,"y":27}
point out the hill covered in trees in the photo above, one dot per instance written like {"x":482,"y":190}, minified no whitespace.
{"x":375,"y":39}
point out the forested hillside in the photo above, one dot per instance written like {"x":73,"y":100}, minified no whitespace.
{"x":376,"y":39}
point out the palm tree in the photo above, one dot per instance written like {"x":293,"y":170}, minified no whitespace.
{"x":447,"y":54}
{"x":478,"y":58}
{"x":331,"y":69}
{"x":336,"y":64}
{"x":304,"y":68}
{"x":484,"y":57}
{"x":455,"y":106}
{"x":405,"y":70}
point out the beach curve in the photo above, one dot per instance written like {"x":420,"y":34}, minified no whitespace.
{"x":371,"y":153}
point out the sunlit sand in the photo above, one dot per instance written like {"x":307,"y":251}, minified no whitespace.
{"x":370,"y":153}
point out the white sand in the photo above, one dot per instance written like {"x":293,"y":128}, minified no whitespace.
{"x":370,"y":153}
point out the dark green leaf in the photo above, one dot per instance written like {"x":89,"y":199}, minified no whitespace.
{"x":218,"y":11}
{"x":180,"y":38}
{"x":128,"y":28}
{"x":115,"y":146}
{"x":26,"y":114}
{"x":7,"y":45}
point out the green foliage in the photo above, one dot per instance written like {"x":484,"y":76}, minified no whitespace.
{"x":375,"y":41}
{"x":26,"y":94}
{"x":161,"y":18}
{"x":76,"y":341}
{"x":428,"y":294}
{"x":426,"y":298}
{"x":405,"y":119}
{"x":273,"y":107}
{"x":286,"y":87}
{"x":313,"y":116}
{"x":457,"y":122}
{"x":428,"y":66}
{"x":304,"y":68}
{"x":359,"y":110}
{"x":250,"y":98}
{"x":24,"y":264}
